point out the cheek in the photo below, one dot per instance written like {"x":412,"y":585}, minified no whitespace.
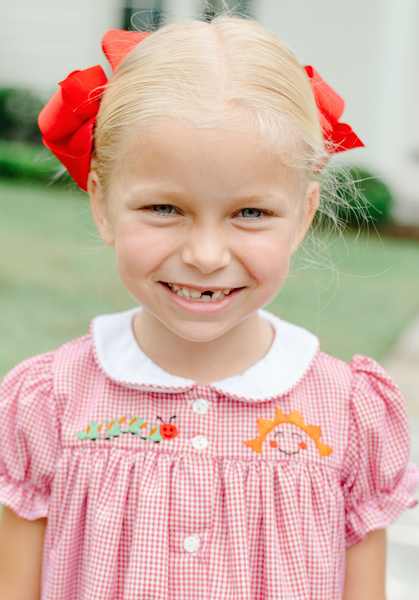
{"x":267,"y":258}
{"x":139,"y":250}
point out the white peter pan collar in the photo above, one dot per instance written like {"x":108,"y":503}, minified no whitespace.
{"x":122,"y":359}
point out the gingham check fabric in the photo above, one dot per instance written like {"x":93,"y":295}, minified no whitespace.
{"x":154,"y":494}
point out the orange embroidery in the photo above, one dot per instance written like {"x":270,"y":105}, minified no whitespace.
{"x":294,"y":418}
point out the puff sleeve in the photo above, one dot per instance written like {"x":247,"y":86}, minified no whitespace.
{"x":378,"y":482}
{"x":29,"y":437}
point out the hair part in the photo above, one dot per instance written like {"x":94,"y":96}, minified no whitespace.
{"x":231,"y":72}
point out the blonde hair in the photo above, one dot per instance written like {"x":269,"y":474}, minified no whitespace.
{"x":231,"y":72}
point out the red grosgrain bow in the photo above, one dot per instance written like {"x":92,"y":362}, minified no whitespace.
{"x":331,"y":106}
{"x":67,"y":120}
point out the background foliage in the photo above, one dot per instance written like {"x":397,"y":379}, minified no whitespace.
{"x":19,"y":111}
{"x":365,"y":198}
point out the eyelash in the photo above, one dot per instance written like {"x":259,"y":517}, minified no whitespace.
{"x":150,"y":207}
{"x":264,"y":213}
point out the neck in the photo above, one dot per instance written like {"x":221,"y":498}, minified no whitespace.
{"x":226,"y":356}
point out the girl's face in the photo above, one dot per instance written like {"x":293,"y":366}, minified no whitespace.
{"x":203,"y":226}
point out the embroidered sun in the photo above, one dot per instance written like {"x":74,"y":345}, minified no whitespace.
{"x":294,"y":418}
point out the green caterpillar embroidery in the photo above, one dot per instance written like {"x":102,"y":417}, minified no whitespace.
{"x":128,"y":424}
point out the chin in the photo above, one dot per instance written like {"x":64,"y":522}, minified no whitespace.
{"x":199,"y":332}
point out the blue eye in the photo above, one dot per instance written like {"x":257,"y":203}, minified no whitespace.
{"x":163,"y":209}
{"x":251,"y":213}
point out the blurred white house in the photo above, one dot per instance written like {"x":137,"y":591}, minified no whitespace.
{"x":368,"y":50}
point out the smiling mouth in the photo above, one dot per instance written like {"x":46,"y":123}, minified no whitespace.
{"x":190,"y":293}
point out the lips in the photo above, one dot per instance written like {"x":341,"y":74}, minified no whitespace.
{"x":199,"y":295}
{"x":209,"y":302}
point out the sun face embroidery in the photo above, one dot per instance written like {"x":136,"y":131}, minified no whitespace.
{"x":134,"y":425}
{"x":288,"y":440}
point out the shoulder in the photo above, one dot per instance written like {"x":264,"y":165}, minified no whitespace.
{"x":327,"y":385}
{"x":30,"y":375}
{"x":361,"y":377}
{"x":331,"y":369}
{"x":369,"y":376}
{"x":39,"y":372}
{"x":75,"y":354}
{"x":376,"y":399}
{"x":358,"y":398}
{"x":35,"y":366}
{"x":75,"y":368}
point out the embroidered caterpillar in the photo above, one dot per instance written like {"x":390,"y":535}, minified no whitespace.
{"x":128,"y":424}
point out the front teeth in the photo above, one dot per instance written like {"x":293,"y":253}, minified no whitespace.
{"x":193,"y":294}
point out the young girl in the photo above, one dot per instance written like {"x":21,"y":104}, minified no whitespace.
{"x":199,"y":447}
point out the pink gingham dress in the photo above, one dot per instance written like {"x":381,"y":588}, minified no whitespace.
{"x":158,"y":488}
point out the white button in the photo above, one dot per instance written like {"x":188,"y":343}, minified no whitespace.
{"x":200,"y":406}
{"x":191,"y":543}
{"x":200,"y":442}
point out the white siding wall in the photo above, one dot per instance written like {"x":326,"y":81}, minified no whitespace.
{"x":368,"y":50}
{"x":42,"y":41}
{"x":338,"y":38}
{"x":395,"y":142}
{"x":181,"y":10}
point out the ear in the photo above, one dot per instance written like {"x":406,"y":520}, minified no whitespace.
{"x":310,"y":205}
{"x":100,"y":209}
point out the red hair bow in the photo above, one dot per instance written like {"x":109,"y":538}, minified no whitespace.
{"x":68,"y":118}
{"x":331,"y":106}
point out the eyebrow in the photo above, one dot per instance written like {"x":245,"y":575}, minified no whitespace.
{"x":155,"y":191}
{"x":167,"y":194}
{"x":258,"y":198}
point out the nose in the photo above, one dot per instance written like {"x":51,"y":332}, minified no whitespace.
{"x":207,"y":250}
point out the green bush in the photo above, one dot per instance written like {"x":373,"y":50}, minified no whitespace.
{"x":21,"y":160}
{"x":366,"y":198}
{"x":22,"y":154}
{"x":19,"y":111}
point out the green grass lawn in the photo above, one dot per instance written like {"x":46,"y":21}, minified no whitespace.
{"x":56,"y":274}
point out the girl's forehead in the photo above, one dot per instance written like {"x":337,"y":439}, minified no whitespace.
{"x":169,"y":136}
{"x":229,"y":159}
